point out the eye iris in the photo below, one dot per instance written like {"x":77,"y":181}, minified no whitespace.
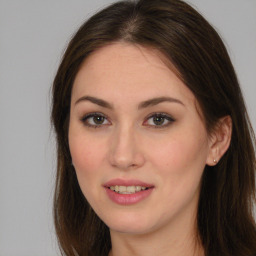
{"x":98,"y":119}
{"x":158,"y":120}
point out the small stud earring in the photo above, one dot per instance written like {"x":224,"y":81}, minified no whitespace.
{"x":215,"y":161}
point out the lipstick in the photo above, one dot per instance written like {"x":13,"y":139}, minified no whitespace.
{"x":127,"y":192}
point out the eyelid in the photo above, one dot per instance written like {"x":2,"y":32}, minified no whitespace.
{"x":161,"y":114}
{"x":166,"y":116}
{"x":85,"y":117}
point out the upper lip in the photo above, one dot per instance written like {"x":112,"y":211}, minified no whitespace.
{"x":122,"y":182}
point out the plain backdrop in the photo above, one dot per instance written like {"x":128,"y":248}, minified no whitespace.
{"x":33,"y":36}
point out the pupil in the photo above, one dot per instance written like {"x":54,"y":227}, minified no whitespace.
{"x":98,"y":119}
{"x":158,"y":120}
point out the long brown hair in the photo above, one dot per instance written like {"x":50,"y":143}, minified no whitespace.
{"x":225,"y":219}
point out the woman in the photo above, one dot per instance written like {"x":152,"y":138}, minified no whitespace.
{"x":155,"y":147}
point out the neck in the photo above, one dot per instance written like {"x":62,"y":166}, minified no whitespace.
{"x":174,"y":239}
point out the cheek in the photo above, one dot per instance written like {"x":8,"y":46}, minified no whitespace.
{"x":87,"y":157}
{"x":177,"y":153}
{"x":182,"y":159}
{"x":179,"y":166}
{"x":86,"y":154}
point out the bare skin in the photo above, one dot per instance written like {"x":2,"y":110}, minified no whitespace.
{"x":119,"y":129}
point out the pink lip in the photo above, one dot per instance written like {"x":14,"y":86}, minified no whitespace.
{"x":121,"y":182}
{"x":127,"y":199}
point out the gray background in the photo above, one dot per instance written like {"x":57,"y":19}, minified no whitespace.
{"x":33,"y":35}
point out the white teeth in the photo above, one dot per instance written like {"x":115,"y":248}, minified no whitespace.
{"x":127,"y":189}
{"x":130,"y":189}
{"x":122,"y":189}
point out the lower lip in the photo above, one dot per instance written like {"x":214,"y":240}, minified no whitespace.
{"x":128,"y":199}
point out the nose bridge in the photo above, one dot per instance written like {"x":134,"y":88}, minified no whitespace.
{"x":125,"y":151}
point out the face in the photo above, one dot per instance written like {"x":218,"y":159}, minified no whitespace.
{"x":137,"y":141}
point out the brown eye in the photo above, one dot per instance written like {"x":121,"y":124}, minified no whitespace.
{"x":98,"y":119}
{"x":159,"y":120}
{"x":95,"y":120}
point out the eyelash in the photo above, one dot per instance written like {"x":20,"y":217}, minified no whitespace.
{"x":168,"y":118}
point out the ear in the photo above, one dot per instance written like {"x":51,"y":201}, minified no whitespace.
{"x":219,"y":140}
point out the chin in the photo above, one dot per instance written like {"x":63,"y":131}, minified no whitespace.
{"x":129,"y":224}
{"x":128,"y":229}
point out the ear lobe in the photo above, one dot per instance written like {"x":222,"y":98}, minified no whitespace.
{"x":219,"y":140}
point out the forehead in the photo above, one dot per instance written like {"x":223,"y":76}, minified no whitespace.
{"x":122,"y":69}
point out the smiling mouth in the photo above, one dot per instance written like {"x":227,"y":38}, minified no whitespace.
{"x":128,"y":192}
{"x":127,"y":189}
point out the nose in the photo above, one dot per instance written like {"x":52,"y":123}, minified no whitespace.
{"x":125,"y":151}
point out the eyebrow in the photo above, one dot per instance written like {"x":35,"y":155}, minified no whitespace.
{"x":96,"y":101}
{"x":143,"y":104}
{"x":155,"y":101}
